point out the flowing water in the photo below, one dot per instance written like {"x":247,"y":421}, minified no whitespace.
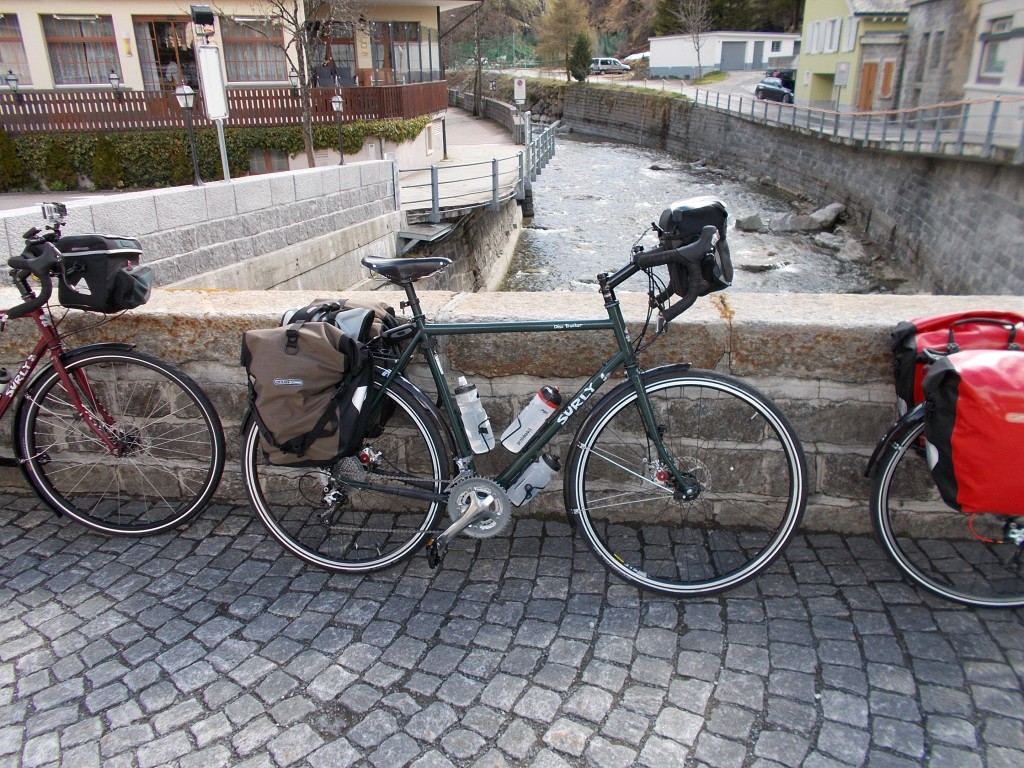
{"x":595,"y":198}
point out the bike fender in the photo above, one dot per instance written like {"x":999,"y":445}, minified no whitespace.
{"x":893,"y":435}
{"x":71,"y":354}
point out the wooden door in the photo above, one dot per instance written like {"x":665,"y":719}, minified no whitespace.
{"x":866,"y":88}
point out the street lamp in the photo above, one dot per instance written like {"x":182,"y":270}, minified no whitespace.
{"x":186,"y":100}
{"x":115,"y":83}
{"x":338,"y":105}
{"x":293,"y":78}
{"x":12,"y":83}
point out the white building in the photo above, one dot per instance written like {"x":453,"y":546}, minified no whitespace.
{"x":677,"y":55}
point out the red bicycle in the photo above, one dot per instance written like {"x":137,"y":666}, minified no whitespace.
{"x":117,"y":439}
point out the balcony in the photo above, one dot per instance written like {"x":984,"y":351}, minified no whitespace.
{"x":105,"y":110}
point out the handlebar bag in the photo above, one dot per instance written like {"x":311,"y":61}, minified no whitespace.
{"x":308,"y":384}
{"x":101,"y":273}
{"x":682,"y":224}
{"x":918,"y":342}
{"x":974,"y":430}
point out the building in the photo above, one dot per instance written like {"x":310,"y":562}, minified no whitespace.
{"x":677,"y":55}
{"x":150,"y":45}
{"x":851,"y":54}
{"x":997,"y":62}
{"x":940,"y":37}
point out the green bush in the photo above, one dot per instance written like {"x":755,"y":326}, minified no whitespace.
{"x":58,"y":175}
{"x":107,"y":171}
{"x":12,"y":169}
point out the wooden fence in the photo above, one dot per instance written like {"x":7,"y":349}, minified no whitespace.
{"x":104,"y":110}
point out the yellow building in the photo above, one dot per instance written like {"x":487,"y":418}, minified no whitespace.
{"x":150,"y":44}
{"x":850,"y":54}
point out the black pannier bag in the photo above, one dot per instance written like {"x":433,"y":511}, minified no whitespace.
{"x":682,"y":224}
{"x":974,"y":430}
{"x":101,"y":273}
{"x":380,"y":320}
{"x":308,"y":391}
{"x":918,"y":343}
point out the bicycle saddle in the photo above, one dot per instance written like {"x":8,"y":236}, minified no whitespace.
{"x":405,"y":271}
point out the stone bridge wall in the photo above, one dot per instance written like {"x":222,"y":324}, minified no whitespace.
{"x":824,"y":359}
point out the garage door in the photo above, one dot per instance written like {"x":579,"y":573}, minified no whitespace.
{"x":733,"y":55}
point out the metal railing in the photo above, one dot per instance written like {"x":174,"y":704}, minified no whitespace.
{"x":445,"y":191}
{"x":991,"y":128}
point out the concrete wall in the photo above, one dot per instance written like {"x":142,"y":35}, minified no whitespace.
{"x":304,"y":229}
{"x":825,"y":359}
{"x":958,"y":222}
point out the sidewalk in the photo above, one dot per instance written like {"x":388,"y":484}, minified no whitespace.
{"x":212,"y":647}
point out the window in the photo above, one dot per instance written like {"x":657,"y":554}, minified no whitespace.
{"x":993,"y":61}
{"x":776,"y":46}
{"x":12,"y":51}
{"x":851,"y":34}
{"x":249,"y":54}
{"x":832,"y":30}
{"x":341,"y":64}
{"x":888,"y":79}
{"x":166,"y":56}
{"x":82,"y":49}
{"x":267,"y":161}
{"x":922,"y":57}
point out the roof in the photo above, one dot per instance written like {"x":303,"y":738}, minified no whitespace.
{"x":869,"y":7}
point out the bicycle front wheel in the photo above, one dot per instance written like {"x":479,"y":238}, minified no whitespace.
{"x":722,"y":434}
{"x":970,"y":559}
{"x":367,"y":512}
{"x":168,"y":444}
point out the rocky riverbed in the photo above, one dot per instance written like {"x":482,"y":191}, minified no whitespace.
{"x":596,"y":198}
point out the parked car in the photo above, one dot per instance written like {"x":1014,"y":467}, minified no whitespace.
{"x":772,"y":89}
{"x":603,"y":65}
{"x":787,"y":76}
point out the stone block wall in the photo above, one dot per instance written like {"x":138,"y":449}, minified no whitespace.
{"x":824,"y":359}
{"x":302,"y":229}
{"x":958,"y":222}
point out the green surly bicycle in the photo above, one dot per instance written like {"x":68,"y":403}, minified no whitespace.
{"x":683,"y":482}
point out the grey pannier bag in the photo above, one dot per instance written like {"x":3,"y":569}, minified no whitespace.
{"x":308,"y":387}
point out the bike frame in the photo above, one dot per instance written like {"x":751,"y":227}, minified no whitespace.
{"x":425,"y":339}
{"x":75,"y":384}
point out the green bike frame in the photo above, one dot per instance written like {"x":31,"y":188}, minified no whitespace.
{"x":424,"y":337}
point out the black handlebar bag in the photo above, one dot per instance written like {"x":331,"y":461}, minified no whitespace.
{"x":308,"y":391}
{"x":974,"y":430}
{"x":917,"y":343}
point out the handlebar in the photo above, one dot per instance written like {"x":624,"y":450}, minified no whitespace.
{"x":689,"y":257}
{"x":38,"y":259}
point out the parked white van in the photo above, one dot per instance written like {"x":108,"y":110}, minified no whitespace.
{"x":602,"y":65}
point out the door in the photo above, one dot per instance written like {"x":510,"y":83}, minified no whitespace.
{"x":733,"y":56}
{"x":165,"y":51}
{"x":866,"y":87}
{"x":758,"y":55}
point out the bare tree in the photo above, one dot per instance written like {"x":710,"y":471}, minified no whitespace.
{"x":695,"y":20}
{"x":557,"y":30}
{"x":301,"y":28}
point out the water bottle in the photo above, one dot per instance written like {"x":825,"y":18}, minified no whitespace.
{"x":474,"y":417}
{"x":531,"y":418}
{"x":534,"y":479}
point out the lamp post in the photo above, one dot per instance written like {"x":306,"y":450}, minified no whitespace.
{"x":338,"y":105}
{"x":115,"y":83}
{"x":12,"y":83}
{"x":293,"y":78}
{"x":186,"y":100}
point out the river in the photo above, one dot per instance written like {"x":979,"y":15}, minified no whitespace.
{"x":595,"y":198}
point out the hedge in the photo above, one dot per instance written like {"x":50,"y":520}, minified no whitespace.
{"x":148,"y":159}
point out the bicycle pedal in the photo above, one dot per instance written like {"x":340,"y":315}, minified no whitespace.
{"x":434,"y":554}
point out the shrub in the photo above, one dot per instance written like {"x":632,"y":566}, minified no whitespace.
{"x":12,"y":169}
{"x":58,"y":175}
{"x":107,"y":171}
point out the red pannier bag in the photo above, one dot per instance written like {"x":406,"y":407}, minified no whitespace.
{"x":917,"y":343}
{"x":974,"y":430}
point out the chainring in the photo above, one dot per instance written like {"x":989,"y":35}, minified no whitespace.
{"x":470,"y":490}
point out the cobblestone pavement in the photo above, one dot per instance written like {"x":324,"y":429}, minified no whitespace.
{"x":211,"y":647}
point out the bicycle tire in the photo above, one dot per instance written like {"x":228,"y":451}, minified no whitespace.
{"x":727,"y":435}
{"x":357,"y":530}
{"x":940,"y":548}
{"x":169,"y":430}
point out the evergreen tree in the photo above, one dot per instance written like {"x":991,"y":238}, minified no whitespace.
{"x":579,"y":58}
{"x":12,"y":169}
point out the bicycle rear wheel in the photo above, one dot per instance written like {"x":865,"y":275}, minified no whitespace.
{"x":970,"y":559}
{"x":167,"y":433}
{"x":725,"y":435}
{"x":357,"y":516}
